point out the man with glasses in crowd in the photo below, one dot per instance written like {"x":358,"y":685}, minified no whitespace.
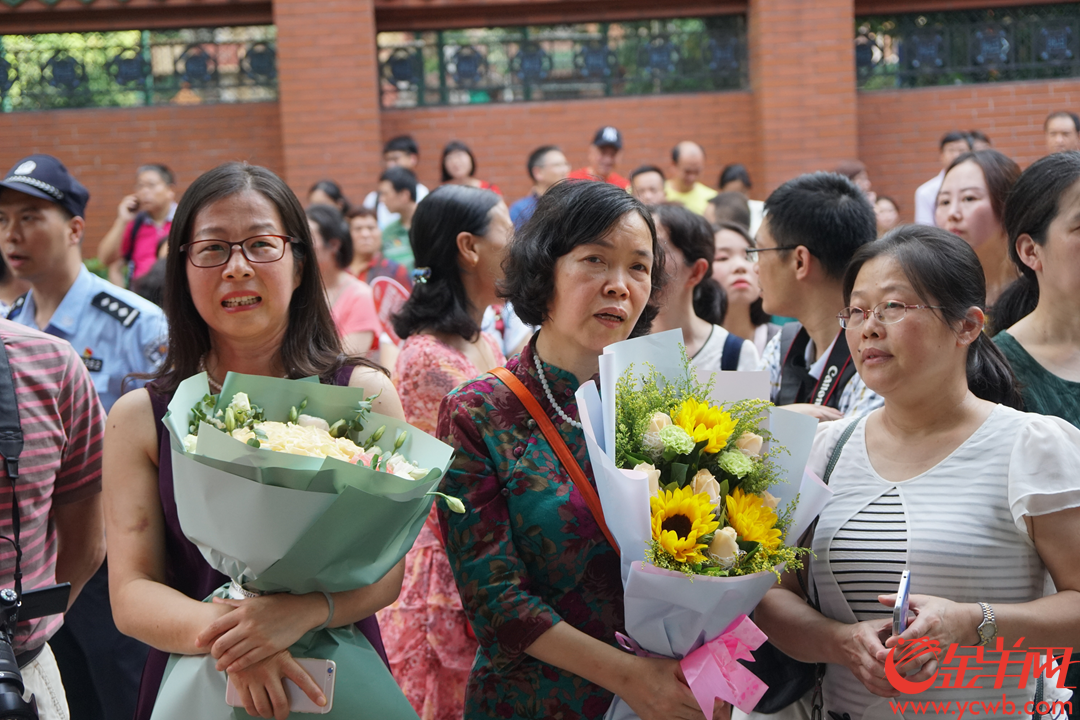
{"x":115,"y":333}
{"x":812,"y":227}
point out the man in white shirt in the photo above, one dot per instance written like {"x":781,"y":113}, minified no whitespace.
{"x":401,"y":151}
{"x":953,"y":145}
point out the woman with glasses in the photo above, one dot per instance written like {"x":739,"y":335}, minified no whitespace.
{"x":245,"y":296}
{"x":948,"y":481}
{"x":693,"y":301}
{"x":735,"y":268}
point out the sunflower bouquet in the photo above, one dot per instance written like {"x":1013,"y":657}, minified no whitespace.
{"x":709,"y":475}
{"x":703,"y":486}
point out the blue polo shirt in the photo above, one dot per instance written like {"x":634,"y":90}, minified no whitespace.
{"x":522,"y":210}
{"x":113,"y":330}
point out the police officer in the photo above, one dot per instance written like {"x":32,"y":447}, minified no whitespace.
{"x":116,"y":333}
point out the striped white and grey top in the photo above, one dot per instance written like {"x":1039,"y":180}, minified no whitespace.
{"x":959,"y":529}
{"x":869,"y":554}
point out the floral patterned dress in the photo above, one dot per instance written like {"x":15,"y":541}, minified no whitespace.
{"x":425,"y":630}
{"x":527,"y":553}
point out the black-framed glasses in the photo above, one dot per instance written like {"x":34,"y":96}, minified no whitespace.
{"x":257,"y":249}
{"x":887,"y":313}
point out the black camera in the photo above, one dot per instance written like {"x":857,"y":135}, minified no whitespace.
{"x":51,"y":600}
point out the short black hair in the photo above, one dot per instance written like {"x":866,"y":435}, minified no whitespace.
{"x":536,"y":158}
{"x":162,"y":170}
{"x":333,"y":191}
{"x":643,"y":169}
{"x":441,"y":304}
{"x":401,"y":178}
{"x":733,"y":172}
{"x":571,"y":213}
{"x":953,"y":136}
{"x":332,"y":226}
{"x":731,"y":206}
{"x":824,"y":212}
{"x":1063,"y":114}
{"x":978,"y":135}
{"x":402,"y":143}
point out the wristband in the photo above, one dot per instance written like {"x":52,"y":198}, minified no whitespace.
{"x":330,"y":617}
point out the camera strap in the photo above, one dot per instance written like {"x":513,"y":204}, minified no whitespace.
{"x":11,"y":446}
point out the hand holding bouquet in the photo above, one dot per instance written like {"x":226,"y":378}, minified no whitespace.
{"x":296,"y":494}
{"x":705,"y":493}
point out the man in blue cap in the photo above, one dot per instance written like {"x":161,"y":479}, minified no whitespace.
{"x":116,"y":333}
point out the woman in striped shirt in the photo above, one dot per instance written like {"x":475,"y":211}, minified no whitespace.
{"x":976,"y":499}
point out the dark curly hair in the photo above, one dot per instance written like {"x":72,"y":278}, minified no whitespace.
{"x":571,"y":213}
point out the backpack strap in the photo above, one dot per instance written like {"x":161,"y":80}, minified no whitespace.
{"x":577,"y":475}
{"x":136,"y":226}
{"x":729,"y":356}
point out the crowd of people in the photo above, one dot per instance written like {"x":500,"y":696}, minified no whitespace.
{"x":942,"y":359}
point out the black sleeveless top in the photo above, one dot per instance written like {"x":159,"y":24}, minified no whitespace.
{"x":185,"y":568}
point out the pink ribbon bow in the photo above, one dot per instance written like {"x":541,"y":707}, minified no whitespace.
{"x":713,"y":671}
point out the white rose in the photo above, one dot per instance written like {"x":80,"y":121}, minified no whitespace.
{"x":704,"y":482}
{"x":749,"y":444}
{"x":723,"y":548}
{"x":769,"y":499}
{"x":312,"y":421}
{"x":658,"y":422}
{"x":653,"y":475}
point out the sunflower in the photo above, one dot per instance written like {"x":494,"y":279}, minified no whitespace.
{"x":705,"y":422}
{"x":752,"y":519}
{"x":679,"y":519}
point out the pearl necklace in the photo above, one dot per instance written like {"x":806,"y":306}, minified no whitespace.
{"x":547,"y":391}
{"x":214,"y":384}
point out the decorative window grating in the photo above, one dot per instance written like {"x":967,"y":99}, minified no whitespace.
{"x":968,"y":46}
{"x":137,"y":67}
{"x":586,"y":60}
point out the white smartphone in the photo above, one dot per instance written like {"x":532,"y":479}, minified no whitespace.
{"x":900,"y":609}
{"x":322,"y":671}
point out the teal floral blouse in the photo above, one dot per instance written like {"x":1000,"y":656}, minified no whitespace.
{"x":527,"y":552}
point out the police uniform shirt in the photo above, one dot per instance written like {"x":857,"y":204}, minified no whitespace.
{"x":113,"y":330}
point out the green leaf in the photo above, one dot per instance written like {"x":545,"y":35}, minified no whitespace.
{"x":678,"y":473}
{"x":254,"y":442}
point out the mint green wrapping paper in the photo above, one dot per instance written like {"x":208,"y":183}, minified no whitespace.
{"x":286,"y":523}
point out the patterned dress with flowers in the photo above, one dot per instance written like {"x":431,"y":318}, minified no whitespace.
{"x":425,"y":630}
{"x":527,"y":552}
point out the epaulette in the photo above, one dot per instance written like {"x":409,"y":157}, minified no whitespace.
{"x":115,"y":308}
{"x":16,"y":307}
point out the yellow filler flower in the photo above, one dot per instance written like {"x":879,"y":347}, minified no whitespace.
{"x":752,"y":519}
{"x":705,"y":422}
{"x":679,"y":520}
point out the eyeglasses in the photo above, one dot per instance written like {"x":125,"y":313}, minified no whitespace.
{"x":752,"y":253}
{"x":257,"y":249}
{"x":887,"y":313}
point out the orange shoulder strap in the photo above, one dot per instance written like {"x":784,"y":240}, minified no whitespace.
{"x":577,"y":475}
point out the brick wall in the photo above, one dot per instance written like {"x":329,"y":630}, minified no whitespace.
{"x":502,"y":136}
{"x":102,"y":147}
{"x":899,"y":130}
{"x":803,"y":85}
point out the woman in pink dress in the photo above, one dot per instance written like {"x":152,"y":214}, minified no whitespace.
{"x":459,"y":236}
{"x":351,"y":303}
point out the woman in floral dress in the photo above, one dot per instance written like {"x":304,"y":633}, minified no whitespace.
{"x":459,"y":237}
